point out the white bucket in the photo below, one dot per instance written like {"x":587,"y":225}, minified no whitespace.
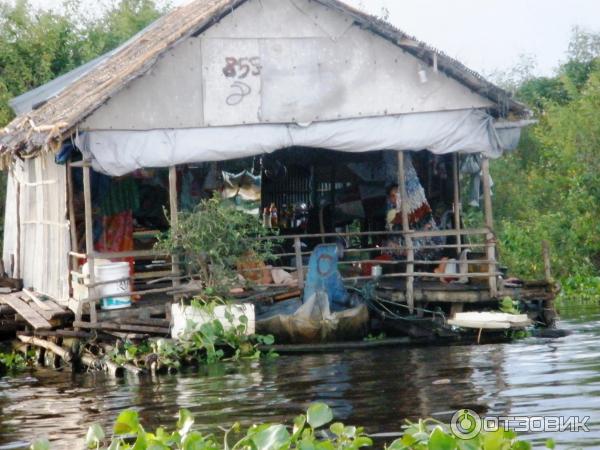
{"x":113,"y":293}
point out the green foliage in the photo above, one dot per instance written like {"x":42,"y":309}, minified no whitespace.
{"x":509,"y":306}
{"x":13,"y":362}
{"x":306,"y":433}
{"x":204,"y":343}
{"x":213,"y":239}
{"x":375,"y":338}
{"x":38,"y":45}
{"x":430,"y":434}
{"x":549,"y":188}
{"x":128,"y":433}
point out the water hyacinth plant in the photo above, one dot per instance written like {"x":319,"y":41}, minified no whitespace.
{"x":201,"y":343}
{"x":314,"y":430}
{"x":14,"y":362}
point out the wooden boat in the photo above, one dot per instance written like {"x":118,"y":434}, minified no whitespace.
{"x":313,"y":321}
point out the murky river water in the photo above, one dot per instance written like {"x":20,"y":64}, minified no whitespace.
{"x":376,"y":389}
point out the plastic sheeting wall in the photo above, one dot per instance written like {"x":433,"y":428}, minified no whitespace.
{"x":281,"y":61}
{"x":44,"y":228}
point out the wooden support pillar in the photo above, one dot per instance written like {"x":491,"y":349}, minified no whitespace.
{"x":299,"y":264}
{"x":73,"y":260}
{"x":456,"y":203}
{"x":546,"y":259}
{"x":489,"y":223}
{"x":174,"y":219}
{"x":410,"y":252}
{"x":89,"y":242}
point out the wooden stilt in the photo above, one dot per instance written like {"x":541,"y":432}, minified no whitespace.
{"x":489,"y":222}
{"x":89,"y":239}
{"x":456,"y":206}
{"x":173,"y":213}
{"x":74,"y":261}
{"x":299,"y":264}
{"x":410,"y":252}
{"x":546,"y":258}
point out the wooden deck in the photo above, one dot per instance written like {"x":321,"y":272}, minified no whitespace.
{"x":426,"y":291}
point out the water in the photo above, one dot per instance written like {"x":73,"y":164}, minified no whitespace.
{"x":375,"y":389}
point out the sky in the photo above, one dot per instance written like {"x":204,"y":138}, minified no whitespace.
{"x":487,"y":35}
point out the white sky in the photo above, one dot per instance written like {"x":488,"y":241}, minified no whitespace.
{"x":486,"y":35}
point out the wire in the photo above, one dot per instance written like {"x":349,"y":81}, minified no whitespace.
{"x":374,"y":302}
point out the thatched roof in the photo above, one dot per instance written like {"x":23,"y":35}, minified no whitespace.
{"x":55,"y":118}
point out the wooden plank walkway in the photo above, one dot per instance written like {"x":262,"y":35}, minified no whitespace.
{"x":44,"y":306}
{"x":31,"y":316}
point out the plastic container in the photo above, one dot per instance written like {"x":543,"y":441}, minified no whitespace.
{"x":376,"y":271}
{"x":113,"y":294}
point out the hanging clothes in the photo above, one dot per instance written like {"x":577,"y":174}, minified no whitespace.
{"x":471,"y":165}
{"x":420,"y":216}
{"x":117,"y":233}
{"x":116,"y":207}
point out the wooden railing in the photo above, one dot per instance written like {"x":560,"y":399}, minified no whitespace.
{"x":487,"y":245}
{"x":404,"y":265}
{"x":85,"y":287}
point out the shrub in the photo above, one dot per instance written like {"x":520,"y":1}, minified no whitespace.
{"x":211,"y":240}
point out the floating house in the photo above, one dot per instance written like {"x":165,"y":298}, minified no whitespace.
{"x":329,"y":113}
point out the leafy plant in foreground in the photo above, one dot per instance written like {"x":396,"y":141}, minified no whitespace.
{"x":430,"y":434}
{"x":308,"y":432}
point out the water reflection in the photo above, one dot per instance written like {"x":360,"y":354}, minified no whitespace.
{"x":378,"y":390}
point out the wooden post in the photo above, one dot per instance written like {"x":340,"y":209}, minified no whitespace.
{"x":546,"y":259}
{"x":410,"y":252}
{"x":89,"y":240}
{"x":299,"y":264}
{"x":457,"y":209}
{"x":73,"y":260}
{"x":174,"y":219}
{"x":489,"y":222}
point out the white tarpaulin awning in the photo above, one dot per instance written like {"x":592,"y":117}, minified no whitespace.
{"x":117,"y":152}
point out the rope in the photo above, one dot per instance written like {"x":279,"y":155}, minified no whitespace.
{"x":375,"y":302}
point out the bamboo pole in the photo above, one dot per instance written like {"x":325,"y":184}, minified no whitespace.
{"x":90,"y":362}
{"x":456,"y":207}
{"x":113,"y":369}
{"x":89,"y":241}
{"x":413,"y":233}
{"x":410,"y":253}
{"x":50,"y":346}
{"x":489,"y":222}
{"x":174,"y":218}
{"x":133,"y":369}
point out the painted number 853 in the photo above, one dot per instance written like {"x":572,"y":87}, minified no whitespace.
{"x":240,"y":68}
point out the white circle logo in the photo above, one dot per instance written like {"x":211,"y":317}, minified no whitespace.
{"x":465,"y":424}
